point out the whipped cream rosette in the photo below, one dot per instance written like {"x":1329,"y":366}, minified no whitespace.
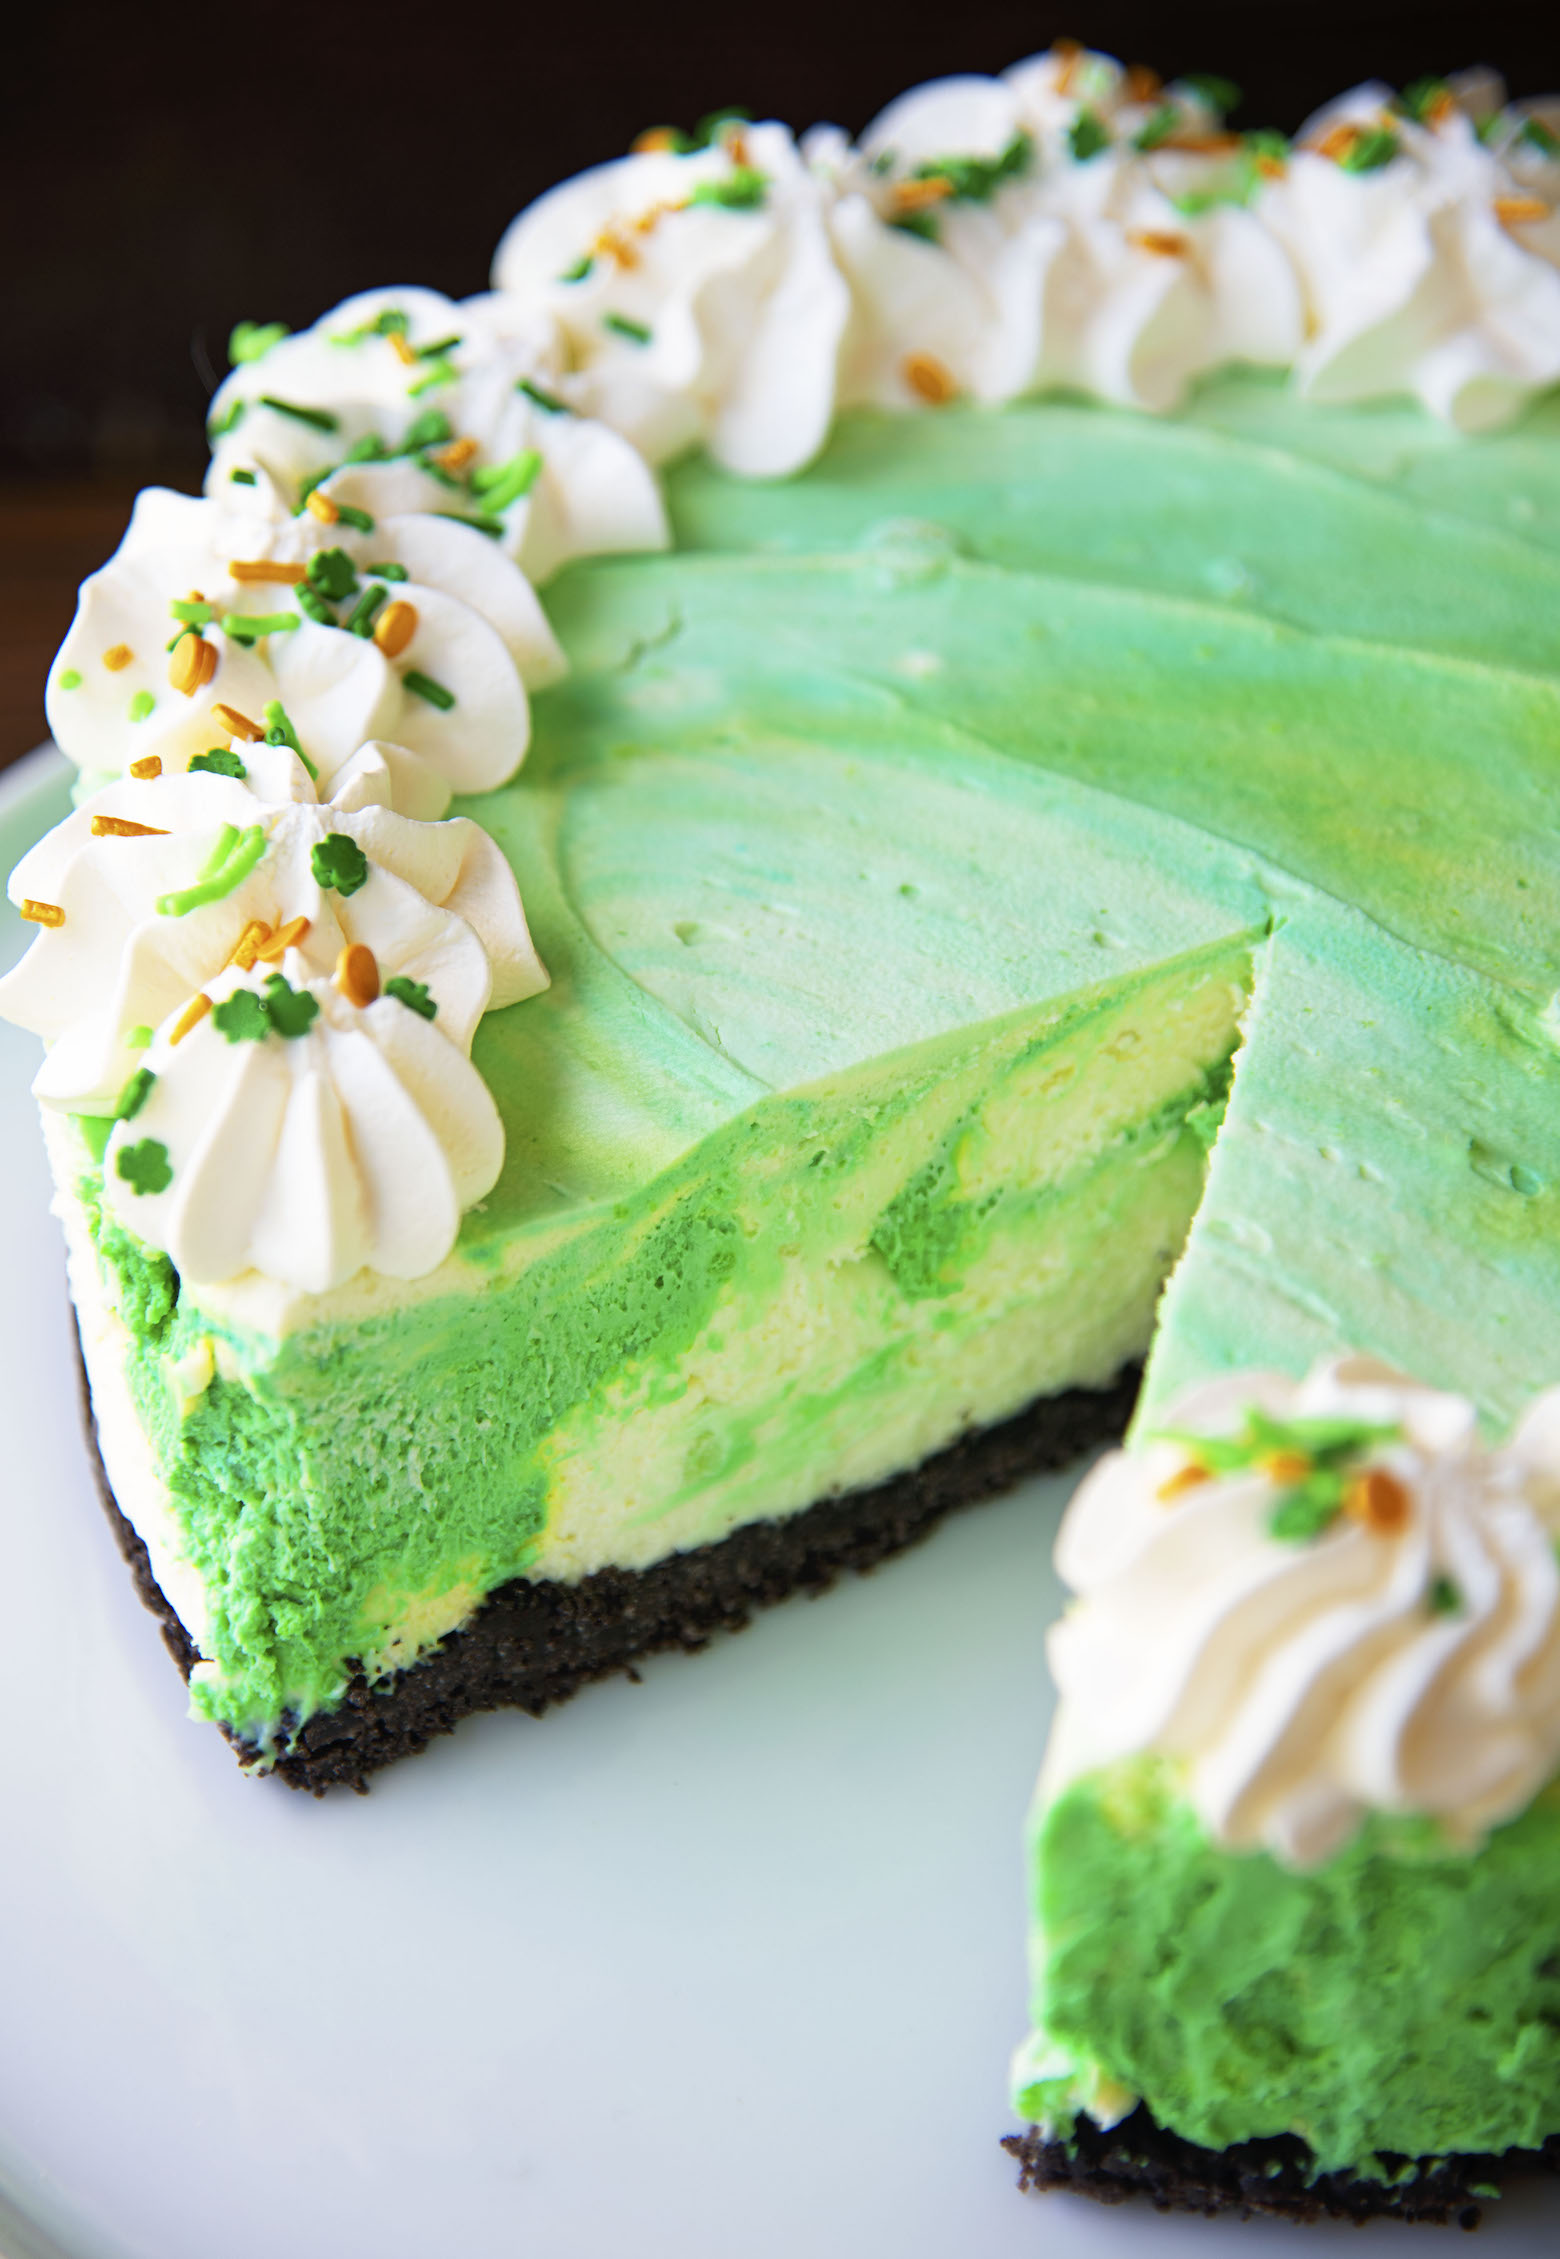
{"x":697,"y":293}
{"x":1069,"y":224}
{"x":402,"y":401}
{"x":145,"y":892}
{"x":404,"y":628}
{"x":1426,"y":232}
{"x":276,"y":998}
{"x":1320,"y":1599}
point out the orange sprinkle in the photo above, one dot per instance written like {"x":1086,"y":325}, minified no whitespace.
{"x":1286,"y":1466}
{"x":1142,"y":83}
{"x":610,"y":244}
{"x":402,"y":351}
{"x":734,"y":141}
{"x":274,"y":948}
{"x":1164,"y":243}
{"x":357,"y":974}
{"x":42,"y":913}
{"x":1338,"y":141}
{"x":267,"y":568}
{"x":1186,"y":1478}
{"x":917,"y":195}
{"x":120,"y":827}
{"x":191,"y":1016}
{"x":1271,"y":167}
{"x":1439,"y":109}
{"x":1069,"y":53}
{"x":929,"y":379}
{"x":248,"y":945}
{"x":1202,"y":144}
{"x":322,"y":507}
{"x":1378,"y":1501}
{"x":653,"y":141}
{"x":456,"y":455}
{"x":395,"y":627}
{"x":237,"y":724}
{"x":117,"y":657}
{"x":145,"y":770}
{"x":193,"y":664}
{"x":1520,"y":211}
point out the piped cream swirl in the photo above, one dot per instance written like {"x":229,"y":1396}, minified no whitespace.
{"x":1405,"y":1658}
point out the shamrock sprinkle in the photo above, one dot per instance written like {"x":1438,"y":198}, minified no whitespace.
{"x":1314,"y":1463}
{"x":220,"y":761}
{"x":289,"y":1010}
{"x":338,"y":861}
{"x":144,"y":1167}
{"x":251,"y":341}
{"x":241,"y":1017}
{"x":413,"y":994}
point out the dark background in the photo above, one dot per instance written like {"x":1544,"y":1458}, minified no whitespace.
{"x":167,"y":172}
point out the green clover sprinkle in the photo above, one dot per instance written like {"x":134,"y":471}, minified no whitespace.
{"x":241,"y":1017}
{"x":220,"y":761}
{"x":139,"y":1038}
{"x":70,"y":678}
{"x":424,"y":686}
{"x":337,"y":861}
{"x":230,"y":419}
{"x":1087,"y":136}
{"x":414,"y":995}
{"x":1444,"y":1599}
{"x":251,"y":341}
{"x":548,"y":402}
{"x":621,"y":325}
{"x":279,"y":731}
{"x":145,"y":1167}
{"x":141,"y":705}
{"x":500,"y":484}
{"x":387,"y":572}
{"x":290,"y":1010}
{"x":318,"y":419}
{"x":228,"y":865}
{"x":332,"y":574}
{"x":135,"y":1094}
{"x":743,"y":190}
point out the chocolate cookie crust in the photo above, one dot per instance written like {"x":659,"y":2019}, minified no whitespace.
{"x":1139,"y":2158}
{"x":531,"y":1644}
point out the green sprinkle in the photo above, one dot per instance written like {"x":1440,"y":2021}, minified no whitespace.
{"x":1488,"y":2190}
{"x":548,"y":401}
{"x":438,"y":351}
{"x":1419,"y":97}
{"x":414,"y":995}
{"x":228,"y":421}
{"x":241,"y":1017}
{"x":1265,"y":143}
{"x":141,"y":705}
{"x":70,"y":678}
{"x":494,"y":527}
{"x":1444,"y":1598}
{"x":1331,"y":1446}
{"x":360,"y":620}
{"x":388,"y":572}
{"x":243,"y":478}
{"x":391,"y":322}
{"x":333,"y":574}
{"x":369,"y":449}
{"x":708,"y":130}
{"x":424,"y":686}
{"x":427,"y":430}
{"x":358,"y":520}
{"x":228,"y":865}
{"x":279,"y":731}
{"x":921,"y":224}
{"x":135,"y":1093}
{"x":742,"y":190}
{"x":145,"y":1167}
{"x":194,"y":615}
{"x":975,"y":180}
{"x":289,"y":1010}
{"x":439,"y":372}
{"x":1369,"y":151}
{"x":310,"y":601}
{"x":500,"y":484}
{"x":338,"y":862}
{"x":318,"y":419}
{"x":1220,"y":94}
{"x":436,"y":470}
{"x":251,"y":341}
{"x":1540,"y":137}
{"x":220,"y":761}
{"x":580,"y":269}
{"x":1087,"y":136}
{"x":622,"y":325}
{"x":138,"y":1038}
{"x":1304,"y":1512}
{"x":248,"y":627}
{"x":1158,"y":129}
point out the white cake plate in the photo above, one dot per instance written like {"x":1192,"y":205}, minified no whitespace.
{"x":726,"y":1965}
